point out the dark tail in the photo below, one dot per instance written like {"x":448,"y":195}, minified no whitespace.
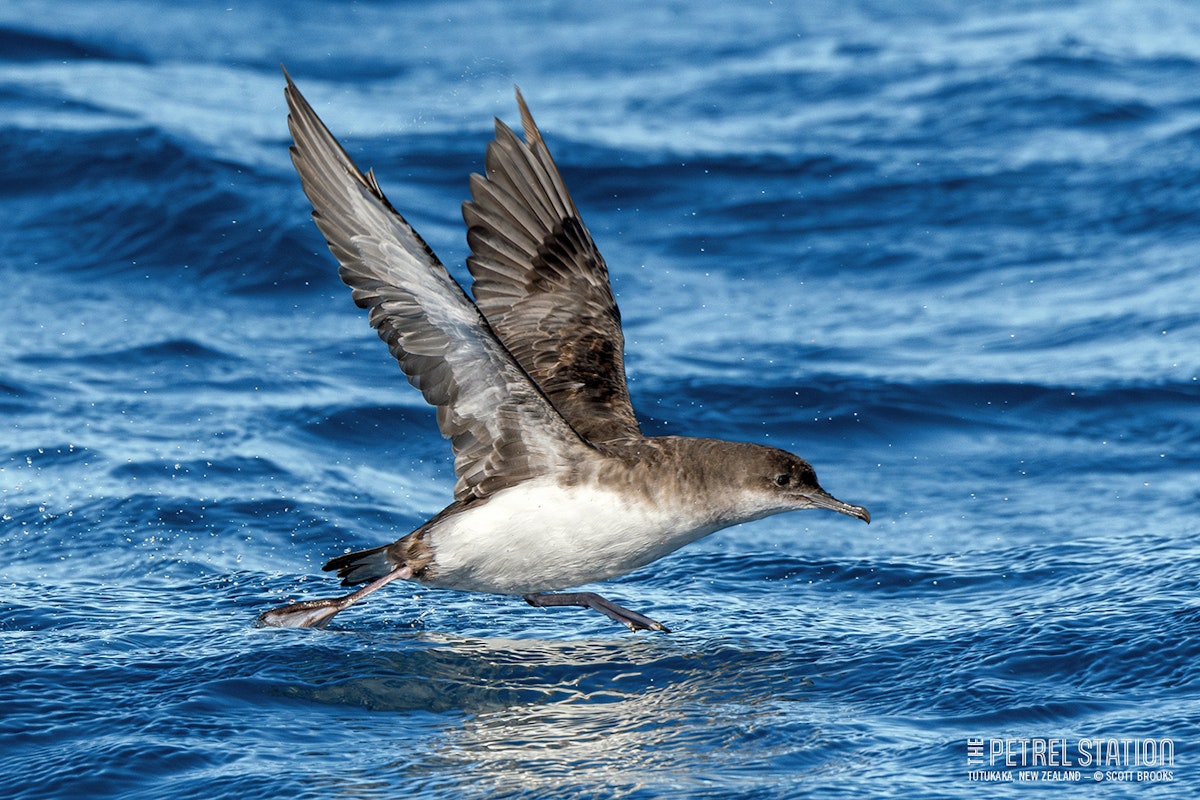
{"x":362,"y":566}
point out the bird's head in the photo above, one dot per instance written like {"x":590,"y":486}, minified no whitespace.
{"x":772,"y":481}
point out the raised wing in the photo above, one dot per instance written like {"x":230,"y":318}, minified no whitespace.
{"x":543,"y":285}
{"x":502,"y":429}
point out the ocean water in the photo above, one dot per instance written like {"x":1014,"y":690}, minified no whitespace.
{"x":948,"y":252}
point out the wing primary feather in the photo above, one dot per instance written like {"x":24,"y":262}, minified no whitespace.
{"x":543,"y":286}
{"x":502,"y":427}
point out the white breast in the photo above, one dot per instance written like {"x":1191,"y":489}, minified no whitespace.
{"x":540,"y":537}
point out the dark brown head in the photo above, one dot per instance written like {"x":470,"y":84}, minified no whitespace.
{"x":773,"y":481}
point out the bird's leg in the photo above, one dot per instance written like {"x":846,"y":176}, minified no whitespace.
{"x":317,"y":613}
{"x":634,"y":620}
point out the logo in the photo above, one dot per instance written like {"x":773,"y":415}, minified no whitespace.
{"x":1062,"y":760}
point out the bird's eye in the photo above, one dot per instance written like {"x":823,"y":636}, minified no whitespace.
{"x":783,"y":480}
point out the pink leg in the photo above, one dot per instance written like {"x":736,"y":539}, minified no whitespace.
{"x":632,"y":619}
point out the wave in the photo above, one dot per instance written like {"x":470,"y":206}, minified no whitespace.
{"x":23,"y":45}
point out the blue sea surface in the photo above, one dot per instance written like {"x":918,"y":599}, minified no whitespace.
{"x":948,"y":252}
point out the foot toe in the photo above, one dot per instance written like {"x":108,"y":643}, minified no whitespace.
{"x":312,"y":614}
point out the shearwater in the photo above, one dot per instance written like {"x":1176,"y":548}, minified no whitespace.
{"x":556,"y":485}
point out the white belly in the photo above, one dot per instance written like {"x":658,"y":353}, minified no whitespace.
{"x":539,"y":537}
